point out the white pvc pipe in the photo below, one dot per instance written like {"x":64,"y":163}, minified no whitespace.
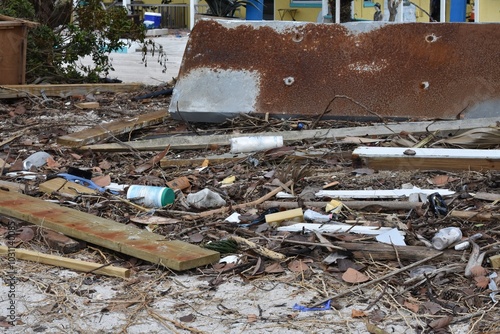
{"x":192,"y":3}
{"x":337,"y":11}
{"x":476,"y":11}
{"x":442,"y":11}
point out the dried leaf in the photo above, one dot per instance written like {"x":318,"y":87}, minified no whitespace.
{"x":441,"y":322}
{"x":187,"y":318}
{"x":432,"y":307}
{"x":259,"y":267}
{"x":76,"y":156}
{"x":180,"y":183}
{"x":156,"y":159}
{"x":26,"y":234}
{"x":102,"y":181}
{"x":482,"y":281}
{"x":205,"y":163}
{"x":354,"y":276}
{"x":252,"y":318}
{"x":196,"y":237}
{"x":441,"y":180}
{"x":358,"y":313}
{"x":20,"y":110}
{"x":274,"y":268}
{"x":412,"y":307}
{"x":297,"y":266}
{"x":478,"y":271}
{"x":475,"y":138}
{"x":373,"y":329}
{"x":105,"y":165}
{"x":51,"y":163}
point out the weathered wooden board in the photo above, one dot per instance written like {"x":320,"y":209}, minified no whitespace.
{"x":64,"y":187}
{"x":105,"y":131}
{"x":54,"y":260}
{"x":127,"y":239}
{"x":62,"y":90}
{"x":196,"y":142}
{"x":397,"y":158}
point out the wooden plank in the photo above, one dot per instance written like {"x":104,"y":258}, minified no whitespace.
{"x":64,"y":187}
{"x":395,"y":158}
{"x":197,"y":142}
{"x":285,"y":215}
{"x":62,"y":90}
{"x":107,"y":130}
{"x":12,"y":186}
{"x":127,"y":239}
{"x":59,"y":261}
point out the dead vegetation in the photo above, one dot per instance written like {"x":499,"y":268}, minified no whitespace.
{"x":353,"y":282}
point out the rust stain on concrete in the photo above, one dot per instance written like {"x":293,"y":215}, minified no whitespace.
{"x":410,"y":70}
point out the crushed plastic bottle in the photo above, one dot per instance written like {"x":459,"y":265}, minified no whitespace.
{"x":205,"y":199}
{"x":445,"y":237}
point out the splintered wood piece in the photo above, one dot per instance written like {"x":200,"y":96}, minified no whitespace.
{"x":400,"y":158}
{"x":127,"y":239}
{"x":60,"y":261}
{"x":63,"y":90}
{"x":64,"y":187}
{"x":495,"y":261}
{"x":87,"y":105}
{"x":105,"y":131}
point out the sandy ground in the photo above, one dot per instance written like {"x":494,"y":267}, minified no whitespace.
{"x":129,"y":66}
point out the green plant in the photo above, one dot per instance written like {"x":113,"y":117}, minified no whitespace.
{"x":227,"y":8}
{"x":54,"y":51}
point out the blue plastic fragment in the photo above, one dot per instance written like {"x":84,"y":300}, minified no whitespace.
{"x":301,"y":308}
{"x":85,"y":182}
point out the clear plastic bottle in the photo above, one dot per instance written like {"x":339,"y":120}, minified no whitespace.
{"x":445,"y":237}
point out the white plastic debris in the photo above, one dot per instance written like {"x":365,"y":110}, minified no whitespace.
{"x":205,"y":199}
{"x":334,"y":228}
{"x":37,"y":159}
{"x":233,"y":218}
{"x":391,"y":237}
{"x":445,"y":237}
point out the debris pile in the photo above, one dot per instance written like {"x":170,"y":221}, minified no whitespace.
{"x":395,"y":223}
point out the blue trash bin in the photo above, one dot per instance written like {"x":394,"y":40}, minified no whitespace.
{"x":255,"y":14}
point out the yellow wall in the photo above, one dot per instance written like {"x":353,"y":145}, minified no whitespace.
{"x":308,"y":14}
{"x":489,"y":10}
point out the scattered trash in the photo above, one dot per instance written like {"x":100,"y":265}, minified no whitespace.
{"x":150,"y":196}
{"x":233,"y":218}
{"x":437,"y":204}
{"x":392,"y":237}
{"x":446,"y":237}
{"x":37,"y":159}
{"x":466,"y":244}
{"x":301,"y":308}
{"x":316,"y":217}
{"x":205,"y":199}
{"x":253,"y":144}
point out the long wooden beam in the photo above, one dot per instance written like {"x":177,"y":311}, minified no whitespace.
{"x":104,"y":131}
{"x":397,"y":158}
{"x":197,"y":142}
{"x":127,"y":239}
{"x":62,"y":90}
